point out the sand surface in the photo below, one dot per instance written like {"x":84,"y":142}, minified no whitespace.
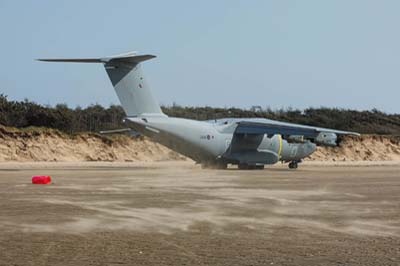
{"x":174,"y":213}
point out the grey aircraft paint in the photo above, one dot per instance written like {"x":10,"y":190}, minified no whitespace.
{"x":250,"y":143}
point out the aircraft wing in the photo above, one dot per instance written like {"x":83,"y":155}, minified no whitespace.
{"x":257,"y":126}
{"x":289,"y":131}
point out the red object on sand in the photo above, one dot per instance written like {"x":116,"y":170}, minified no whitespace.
{"x":41,"y":179}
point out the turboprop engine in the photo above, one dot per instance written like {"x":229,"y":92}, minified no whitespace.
{"x":296,"y":139}
{"x":326,"y":139}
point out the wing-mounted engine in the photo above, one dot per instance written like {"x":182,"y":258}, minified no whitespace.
{"x":321,"y":139}
{"x":295,"y":138}
{"x":326,"y":139}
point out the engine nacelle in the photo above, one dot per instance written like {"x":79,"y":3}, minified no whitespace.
{"x":295,"y":138}
{"x":326,"y":139}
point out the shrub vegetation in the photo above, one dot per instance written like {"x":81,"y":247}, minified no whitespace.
{"x":22,"y":114}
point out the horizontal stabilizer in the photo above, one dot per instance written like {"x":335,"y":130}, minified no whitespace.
{"x":130,"y":58}
{"x":75,"y":60}
{"x":115,"y":131}
{"x":127,"y":131}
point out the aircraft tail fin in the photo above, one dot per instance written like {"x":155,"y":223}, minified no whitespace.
{"x":127,"y":78}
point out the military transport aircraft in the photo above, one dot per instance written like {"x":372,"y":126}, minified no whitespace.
{"x":249,"y":143}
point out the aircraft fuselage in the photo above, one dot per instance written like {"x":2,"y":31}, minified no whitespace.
{"x":210,"y":141}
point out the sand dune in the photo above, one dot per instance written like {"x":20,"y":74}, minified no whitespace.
{"x":52,"y":145}
{"x":46,"y":145}
{"x":364,"y":148}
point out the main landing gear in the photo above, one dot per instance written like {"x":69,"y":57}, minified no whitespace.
{"x":214,"y":165}
{"x":294,"y":164}
{"x":245,"y":166}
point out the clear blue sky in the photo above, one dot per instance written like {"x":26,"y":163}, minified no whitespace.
{"x":342,"y":53}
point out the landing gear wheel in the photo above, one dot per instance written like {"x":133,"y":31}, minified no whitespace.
{"x":245,"y":166}
{"x":214,"y":165}
{"x":293,"y":165}
{"x":221,"y":166}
